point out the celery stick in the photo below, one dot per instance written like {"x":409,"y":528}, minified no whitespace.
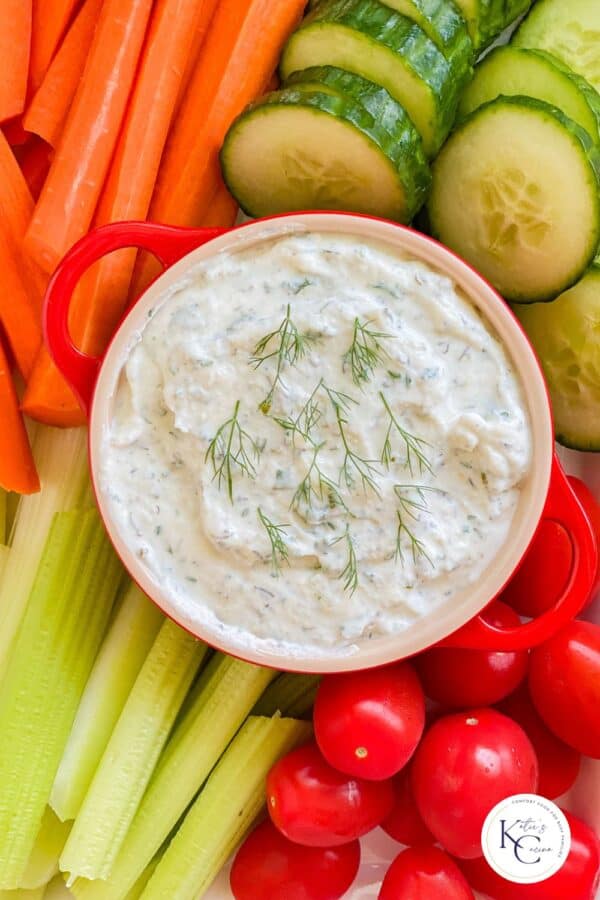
{"x":57,"y":890}
{"x":139,"y":887}
{"x":61,"y":457}
{"x":291,"y":695}
{"x":225,"y":809}
{"x":121,"y":656}
{"x":131,"y":754}
{"x":222,"y":698}
{"x":4,"y":554}
{"x":3,"y":522}
{"x":43,"y":862}
{"x":24,"y":894}
{"x":53,"y":654}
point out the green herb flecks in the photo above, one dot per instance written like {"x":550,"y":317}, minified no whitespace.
{"x":353,"y":464}
{"x":349,"y":573}
{"x":408,"y":510}
{"x":414,"y":447}
{"x":366,"y":351}
{"x":317,"y":485}
{"x":306,"y":420}
{"x":232,"y":448}
{"x":276,"y":535}
{"x":288,"y":346}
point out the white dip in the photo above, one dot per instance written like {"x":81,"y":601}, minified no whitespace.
{"x":351,"y":514}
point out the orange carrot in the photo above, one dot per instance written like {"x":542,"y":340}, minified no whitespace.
{"x":222,"y":209}
{"x":66,"y":205}
{"x":48,"y":108}
{"x":17,"y":468}
{"x":34,"y":165}
{"x":238,"y":58}
{"x":50,"y":20}
{"x":200,"y":30}
{"x":48,"y":398}
{"x":15,"y":44}
{"x":18,"y":315}
{"x":132,"y":176}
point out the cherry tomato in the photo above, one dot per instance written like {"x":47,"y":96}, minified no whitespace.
{"x":558,"y":763}
{"x":564,"y":681}
{"x":424,"y":873}
{"x":465,"y":678}
{"x":466,"y":763}
{"x":269,"y":867}
{"x":314,"y":804}
{"x":404,"y":823}
{"x":369,"y":723}
{"x":577,"y":879}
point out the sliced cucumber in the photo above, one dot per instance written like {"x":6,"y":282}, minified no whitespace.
{"x":386,"y":111}
{"x":511,"y":71}
{"x":487,"y":19}
{"x":370,"y":39}
{"x":310,"y":150}
{"x":569,"y":29}
{"x":442,"y":22}
{"x":566,"y":336}
{"x":515,"y":192}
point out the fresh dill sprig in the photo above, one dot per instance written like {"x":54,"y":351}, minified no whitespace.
{"x":409,"y":509}
{"x":414,"y":446}
{"x":289,"y":346}
{"x":353,"y":465}
{"x":316,"y":484}
{"x":365,"y":352}
{"x":350,"y":571}
{"x":227,"y":450}
{"x":306,"y":420}
{"x":275,"y":533}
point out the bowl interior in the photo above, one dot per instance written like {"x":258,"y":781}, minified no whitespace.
{"x":446,"y":618}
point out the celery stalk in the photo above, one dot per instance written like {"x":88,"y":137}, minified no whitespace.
{"x":222,"y":698}
{"x":53,"y":654}
{"x":131,"y":754}
{"x":121,"y":657}
{"x":225,"y":809}
{"x":291,"y":695}
{"x":140,"y":886}
{"x":24,"y":894}
{"x":3,"y":521}
{"x":57,"y":890}
{"x":61,"y":457}
{"x":43,"y":862}
{"x":4,"y":554}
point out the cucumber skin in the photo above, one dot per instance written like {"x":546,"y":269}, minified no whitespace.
{"x":590,"y":95}
{"x":490,"y":18}
{"x":380,"y":25}
{"x":386,"y":111}
{"x":566,"y":436}
{"x":591,"y":152}
{"x":443,"y":24}
{"x":406,"y":154}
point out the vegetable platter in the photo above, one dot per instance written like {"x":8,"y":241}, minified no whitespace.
{"x":136,"y":760}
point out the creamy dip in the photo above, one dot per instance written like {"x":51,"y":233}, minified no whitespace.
{"x":315,"y":441}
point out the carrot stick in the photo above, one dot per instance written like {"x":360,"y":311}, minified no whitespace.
{"x":200,"y":30}
{"x":18,"y":316}
{"x":17,"y":468}
{"x":14,"y":132}
{"x":34,"y":165}
{"x":66,"y":205}
{"x":50,"y":20}
{"x":15,"y":44}
{"x":48,"y":398}
{"x":132,"y":176}
{"x":238,"y":58}
{"x":49,"y":107}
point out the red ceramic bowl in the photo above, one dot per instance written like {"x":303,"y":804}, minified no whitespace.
{"x":546,"y":493}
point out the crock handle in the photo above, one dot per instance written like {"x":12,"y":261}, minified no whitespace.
{"x":166,"y":242}
{"x":563,"y":507}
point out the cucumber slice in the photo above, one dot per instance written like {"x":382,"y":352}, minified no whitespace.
{"x":511,"y":71}
{"x":487,"y":19}
{"x":515,"y":192}
{"x":386,"y":111}
{"x":565,"y":334}
{"x":443,"y":24}
{"x":569,"y":30}
{"x":370,"y":39}
{"x":299,"y":149}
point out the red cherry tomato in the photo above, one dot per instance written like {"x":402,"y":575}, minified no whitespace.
{"x":368,"y":724}
{"x":466,"y":763}
{"x":558,"y":763}
{"x":312,"y":803}
{"x":427,"y":873}
{"x":465,"y":678}
{"x":564,"y":681}
{"x":404,"y":823}
{"x":269,"y":867}
{"x":577,"y":879}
